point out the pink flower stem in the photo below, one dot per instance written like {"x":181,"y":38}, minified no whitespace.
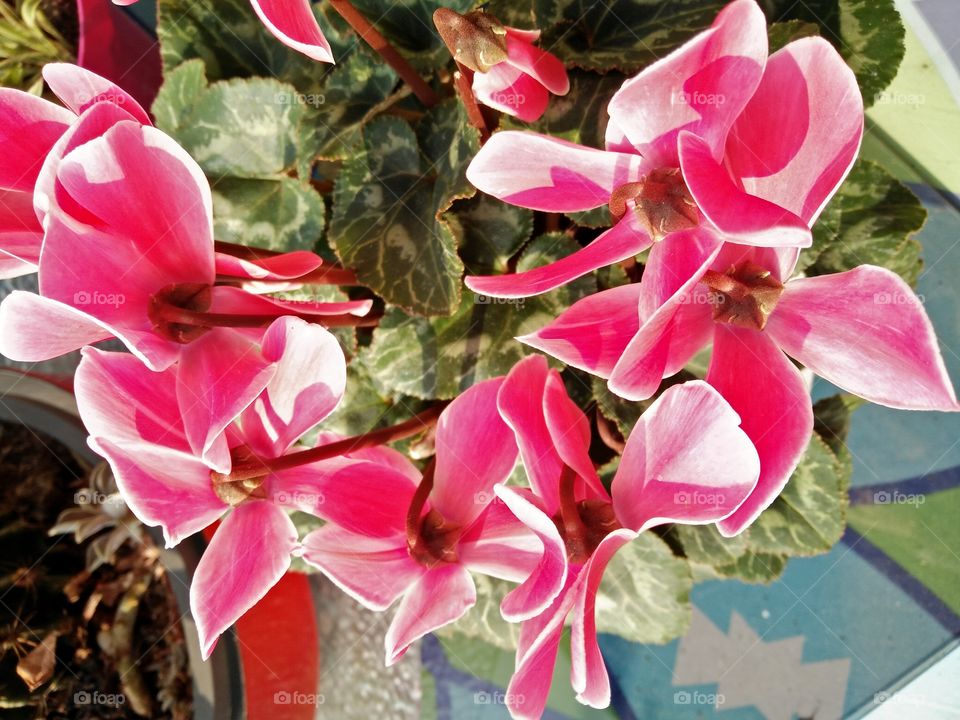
{"x":182,"y":316}
{"x":394,"y":59}
{"x":461,"y":80}
{"x":258,"y":467}
{"x":415,"y":510}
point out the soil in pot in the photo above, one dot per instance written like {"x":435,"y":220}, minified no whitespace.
{"x":77,"y":642}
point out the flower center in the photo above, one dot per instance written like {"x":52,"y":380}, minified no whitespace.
{"x":436,"y":541}
{"x":192,"y":297}
{"x":431,"y":540}
{"x":745,"y":295}
{"x":661,"y":203}
{"x":596,"y":520}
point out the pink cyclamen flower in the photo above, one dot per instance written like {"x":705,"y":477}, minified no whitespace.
{"x":128,"y":253}
{"x":30,"y":128}
{"x":686,"y":461}
{"x":714,"y":141}
{"x":292,"y":22}
{"x":510,"y":73}
{"x":394,"y":535}
{"x":134,"y":419}
{"x":864,"y":330}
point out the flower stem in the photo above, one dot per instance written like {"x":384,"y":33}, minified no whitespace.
{"x":182,"y":316}
{"x":378,"y":42}
{"x":416,"y":508}
{"x":258,"y":467}
{"x":461,"y":79}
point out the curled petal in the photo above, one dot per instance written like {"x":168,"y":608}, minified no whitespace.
{"x":542,"y":585}
{"x":509,"y":90}
{"x":621,"y":242}
{"x":741,"y":217}
{"x":499,"y":545}
{"x":287,"y":266}
{"x":308,"y":384}
{"x":475,"y":451}
{"x":79,"y":89}
{"x":676,"y":320}
{"x":798,"y":136}
{"x":29,"y":128}
{"x":588,"y":674}
{"x":542,"y":66}
{"x":593,"y":332}
{"x":866,"y":331}
{"x":686,"y":461}
{"x":700,"y":87}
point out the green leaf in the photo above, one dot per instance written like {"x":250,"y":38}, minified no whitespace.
{"x":831,"y":420}
{"x":408,"y":25}
{"x":872,"y":42}
{"x":705,"y":545}
{"x":623,"y":413}
{"x":231,"y":41}
{"x":808,"y":518}
{"x":442,"y":357}
{"x":353,"y":88}
{"x":389,"y":204}
{"x":493,"y":232}
{"x":484,"y":621}
{"x":621,"y":34}
{"x":753,"y":567}
{"x":871,"y":219}
{"x":782,"y":33}
{"x":181,"y":87}
{"x":278,"y":214}
{"x":645,"y":593}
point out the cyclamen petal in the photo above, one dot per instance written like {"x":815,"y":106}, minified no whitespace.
{"x":249,"y":553}
{"x":621,"y":242}
{"x":511,"y":91}
{"x":475,"y":451}
{"x":29,"y":128}
{"x":373,"y":571}
{"x":700,"y":87}
{"x":441,"y":596}
{"x":542,"y":585}
{"x":769,"y":395}
{"x":293,"y":23}
{"x":307,"y":385}
{"x":549,"y":174}
{"x":687,"y":460}
{"x":866,"y":331}
{"x":79,"y":89}
{"x":798,"y":136}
